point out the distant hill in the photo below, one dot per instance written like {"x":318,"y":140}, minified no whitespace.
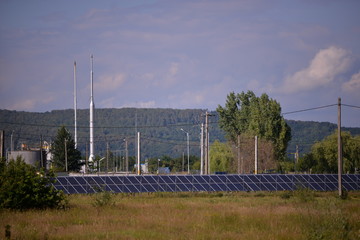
{"x":306,"y":133}
{"x":160,"y":130}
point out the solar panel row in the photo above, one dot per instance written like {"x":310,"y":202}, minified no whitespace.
{"x":208,"y":183}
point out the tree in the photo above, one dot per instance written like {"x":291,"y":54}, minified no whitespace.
{"x":63,"y":138}
{"x":221,"y":157}
{"x":324,"y":154}
{"x":22,"y":187}
{"x":306,"y":163}
{"x":248,"y":115}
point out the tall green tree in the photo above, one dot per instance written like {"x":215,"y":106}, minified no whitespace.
{"x":63,"y":138}
{"x":247,"y":114}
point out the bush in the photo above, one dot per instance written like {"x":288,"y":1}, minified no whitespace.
{"x":102,"y":199}
{"x":23,"y":187}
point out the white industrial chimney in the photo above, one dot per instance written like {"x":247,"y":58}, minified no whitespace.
{"x":92,"y":108}
{"x":75,"y":105}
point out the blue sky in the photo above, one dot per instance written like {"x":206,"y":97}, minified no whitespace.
{"x":181,"y":54}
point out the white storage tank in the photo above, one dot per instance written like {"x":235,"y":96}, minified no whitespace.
{"x":31,"y":157}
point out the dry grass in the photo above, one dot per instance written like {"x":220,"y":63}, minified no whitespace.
{"x":193,"y":216}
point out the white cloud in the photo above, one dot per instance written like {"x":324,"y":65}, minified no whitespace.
{"x":352,"y":85}
{"x":147,"y":76}
{"x":26,"y":105}
{"x":322,"y":70}
{"x":259,"y":87}
{"x":31,"y":103}
{"x":208,"y":96}
{"x":109,"y":82}
{"x":170,"y":77}
{"x":167,"y":78}
{"x":108,"y":103}
{"x":148,"y":104}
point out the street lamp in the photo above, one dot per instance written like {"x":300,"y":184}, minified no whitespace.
{"x":188,"y":149}
{"x":158,"y":171}
{"x":99,"y":169}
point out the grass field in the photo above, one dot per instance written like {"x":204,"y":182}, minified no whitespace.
{"x":301,"y":214}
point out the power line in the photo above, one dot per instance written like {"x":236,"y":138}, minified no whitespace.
{"x":352,"y":106}
{"x":309,"y":109}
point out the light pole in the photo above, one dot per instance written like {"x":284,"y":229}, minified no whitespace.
{"x":188,"y":149}
{"x":99,"y":168}
{"x":158,"y":171}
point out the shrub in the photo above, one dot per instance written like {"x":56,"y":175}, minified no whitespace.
{"x":102,"y":199}
{"x":23,"y":187}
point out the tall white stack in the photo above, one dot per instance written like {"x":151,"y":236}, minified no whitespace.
{"x":92,"y":108}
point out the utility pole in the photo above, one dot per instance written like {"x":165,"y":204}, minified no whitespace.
{"x":202,"y":150}
{"x":126,"y":156}
{"x":207,"y":143}
{"x":206,"y":154}
{"x":183,"y":162}
{"x":256,"y":155}
{"x":238,"y":154}
{"x":41,"y":153}
{"x":138,"y":154}
{"x":11,"y":141}
{"x":66,"y":160}
{"x":114,"y":162}
{"x":339,"y":150}
{"x":2,"y":143}
{"x":136,"y":132}
{"x":107,"y":157}
{"x":188,"y":149}
{"x":296,"y":157}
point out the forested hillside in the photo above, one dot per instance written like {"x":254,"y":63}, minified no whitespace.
{"x":160,"y":130}
{"x":306,"y":133}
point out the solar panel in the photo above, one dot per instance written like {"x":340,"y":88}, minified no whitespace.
{"x":182,"y":179}
{"x":268,"y":187}
{"x":171,"y":188}
{"x":164,"y":179}
{"x":199,"y":188}
{"x":187,"y":183}
{"x":132,"y":189}
{"x":206,"y":178}
{"x":285,"y":186}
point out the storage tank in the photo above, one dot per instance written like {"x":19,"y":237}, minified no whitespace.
{"x":31,"y":157}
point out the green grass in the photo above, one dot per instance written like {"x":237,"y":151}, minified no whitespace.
{"x":254,"y":215}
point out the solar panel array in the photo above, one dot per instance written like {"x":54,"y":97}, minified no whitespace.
{"x":207,"y":183}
